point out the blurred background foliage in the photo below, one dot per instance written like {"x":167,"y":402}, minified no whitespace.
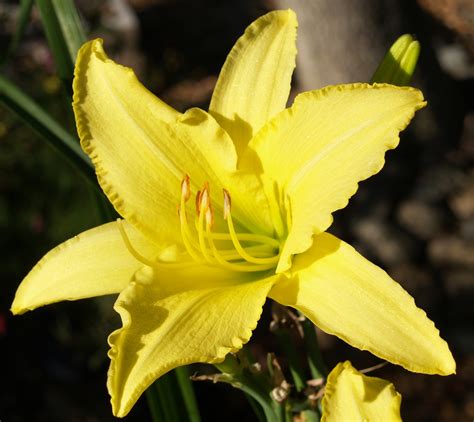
{"x":415,"y":219}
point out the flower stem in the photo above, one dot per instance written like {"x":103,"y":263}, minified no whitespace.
{"x":239,"y":378}
{"x":257,"y":409}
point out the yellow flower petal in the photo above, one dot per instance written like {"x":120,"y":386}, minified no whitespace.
{"x":346,"y":295}
{"x":352,"y":396}
{"x":141,"y":148}
{"x":176,"y":317}
{"x":254,"y":83}
{"x":94,"y":263}
{"x":319,"y":149}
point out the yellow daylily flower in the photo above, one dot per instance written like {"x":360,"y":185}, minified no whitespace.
{"x":352,"y":396}
{"x":225,"y":208}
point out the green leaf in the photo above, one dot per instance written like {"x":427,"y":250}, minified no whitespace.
{"x":64,"y":33}
{"x":187,"y":390}
{"x":42,"y":123}
{"x":64,"y":63}
{"x":23,"y":17}
{"x":71,"y":26}
{"x":398,"y":65}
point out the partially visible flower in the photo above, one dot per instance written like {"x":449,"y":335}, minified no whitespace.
{"x":255,"y":185}
{"x":352,"y":396}
{"x":399,"y":63}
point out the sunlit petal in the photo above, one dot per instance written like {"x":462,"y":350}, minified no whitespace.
{"x":94,"y":263}
{"x":351,"y":396}
{"x":255,"y":81}
{"x":173,"y":318}
{"x":319,"y":149}
{"x":141,"y":148}
{"x":346,"y":295}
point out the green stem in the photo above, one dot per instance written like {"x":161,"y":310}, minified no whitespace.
{"x":315,"y":360}
{"x":238,"y":379}
{"x":257,"y":409}
{"x":187,"y":390}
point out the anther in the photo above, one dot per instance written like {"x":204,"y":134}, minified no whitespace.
{"x":227,"y":203}
{"x":185,"y":188}
{"x":209,"y":217}
{"x":204,"y":200}
{"x":198,"y":202}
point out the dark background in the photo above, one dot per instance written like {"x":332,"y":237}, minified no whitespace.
{"x":415,"y":219}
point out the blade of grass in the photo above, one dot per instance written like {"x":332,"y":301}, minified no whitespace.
{"x":43,"y":124}
{"x":56,"y":42}
{"x":65,"y":35}
{"x":154,"y":405}
{"x":70,"y":25}
{"x":169,"y":398}
{"x":187,"y":390}
{"x":23,"y":17}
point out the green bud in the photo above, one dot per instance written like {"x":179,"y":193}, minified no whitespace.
{"x":398,"y":65}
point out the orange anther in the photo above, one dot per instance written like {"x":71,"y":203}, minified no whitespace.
{"x":209,"y":216}
{"x":185,"y":188}
{"x":198,"y":202}
{"x":205,"y":200}
{"x":227,"y":203}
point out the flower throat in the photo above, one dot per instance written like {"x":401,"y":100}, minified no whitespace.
{"x":244,"y":252}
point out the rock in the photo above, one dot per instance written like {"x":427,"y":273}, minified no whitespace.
{"x":383,"y":241}
{"x":462,"y":203}
{"x":459,"y":281}
{"x":436,"y":182}
{"x":451,"y":251}
{"x":419,"y":218}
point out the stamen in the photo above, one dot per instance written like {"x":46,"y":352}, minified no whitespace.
{"x":198,"y":201}
{"x":237,"y":258}
{"x":185,"y":188}
{"x":185,"y":232}
{"x":235,"y":240}
{"x":203,"y":212}
{"x":209,"y":216}
{"x":227,"y":203}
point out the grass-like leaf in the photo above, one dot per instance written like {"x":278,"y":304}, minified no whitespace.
{"x":64,"y":33}
{"x":42,"y":123}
